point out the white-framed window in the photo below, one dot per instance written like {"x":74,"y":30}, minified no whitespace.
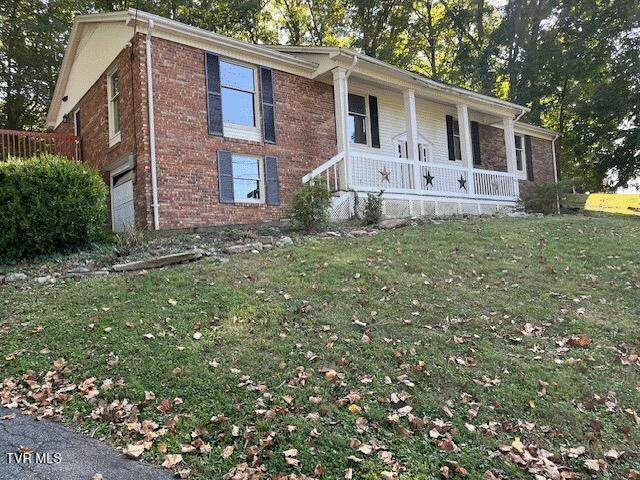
{"x":113,"y":104}
{"x":521,"y":165}
{"x":457,"y":150}
{"x":248,"y":179}
{"x":239,"y":91}
{"x":358,"y":119}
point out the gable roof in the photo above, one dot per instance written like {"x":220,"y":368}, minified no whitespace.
{"x":161,"y":25}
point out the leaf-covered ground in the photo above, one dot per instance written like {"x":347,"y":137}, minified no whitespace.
{"x":480,"y":349}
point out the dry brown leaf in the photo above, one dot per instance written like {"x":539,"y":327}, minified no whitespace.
{"x":171,"y":460}
{"x":133,"y":451}
{"x":227,"y":451}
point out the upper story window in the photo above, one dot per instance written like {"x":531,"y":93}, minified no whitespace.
{"x":113,"y":104}
{"x":519,"y":153}
{"x":457,"y":150}
{"x":238,"y":90}
{"x":357,"y":128}
{"x":248,"y":185}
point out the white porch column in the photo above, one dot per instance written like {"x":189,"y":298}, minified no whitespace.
{"x":411,"y":122}
{"x":510,"y":146}
{"x":341,"y":99}
{"x":466,"y":149}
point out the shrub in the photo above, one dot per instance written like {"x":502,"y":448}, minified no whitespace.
{"x":310,"y":206}
{"x":372,"y":211}
{"x":128,"y":240}
{"x":542,"y":197}
{"x":49,"y":203}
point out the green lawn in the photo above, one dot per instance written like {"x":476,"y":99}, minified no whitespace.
{"x":475,"y":325}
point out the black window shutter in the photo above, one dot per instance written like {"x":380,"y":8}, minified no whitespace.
{"x":214,"y":99}
{"x":225,"y":177}
{"x":529,"y":154}
{"x":375,"y":128}
{"x":475,"y":143}
{"x":272,"y":182}
{"x":452,"y":151}
{"x":268,"y":109}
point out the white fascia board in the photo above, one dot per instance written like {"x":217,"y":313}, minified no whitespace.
{"x":238,"y":46}
{"x":535,"y":131}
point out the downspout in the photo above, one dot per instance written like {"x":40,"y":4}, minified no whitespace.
{"x":152,"y":129}
{"x":347,"y":148}
{"x":351,"y":67}
{"x":555,"y":170}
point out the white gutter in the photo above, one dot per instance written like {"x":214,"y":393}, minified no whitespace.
{"x":152,"y":130}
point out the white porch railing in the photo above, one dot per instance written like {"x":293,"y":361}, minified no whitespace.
{"x":372,"y":172}
{"x":332,"y":170}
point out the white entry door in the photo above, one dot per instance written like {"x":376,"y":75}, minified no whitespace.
{"x":122,"y":201}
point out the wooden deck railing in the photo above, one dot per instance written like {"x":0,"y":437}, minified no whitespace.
{"x":24,"y":144}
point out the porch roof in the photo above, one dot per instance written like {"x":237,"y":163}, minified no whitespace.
{"x":377,"y":69}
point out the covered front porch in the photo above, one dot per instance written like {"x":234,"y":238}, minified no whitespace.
{"x":415,"y":143}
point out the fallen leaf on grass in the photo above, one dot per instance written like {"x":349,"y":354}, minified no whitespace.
{"x":581,"y":340}
{"x":518,"y":445}
{"x":595,"y":465}
{"x":171,"y":460}
{"x":133,"y":451}
{"x":227,"y":451}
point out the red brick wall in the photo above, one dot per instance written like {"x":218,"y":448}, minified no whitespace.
{"x":186,"y":154}
{"x":542,"y":164}
{"x":493,"y":152}
{"x":494,"y":156}
{"x":95,"y":126}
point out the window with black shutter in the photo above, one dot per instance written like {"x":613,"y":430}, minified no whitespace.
{"x":357,"y":128}
{"x":475,"y":143}
{"x":225,"y":177}
{"x":272,"y":182}
{"x":529,"y":156}
{"x":373,"y":120}
{"x":214,"y":98}
{"x":268,"y":105}
{"x":453,"y":139}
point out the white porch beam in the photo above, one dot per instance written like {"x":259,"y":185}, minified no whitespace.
{"x":341,"y":101}
{"x":411,"y":121}
{"x":510,"y":146}
{"x":466,"y":150}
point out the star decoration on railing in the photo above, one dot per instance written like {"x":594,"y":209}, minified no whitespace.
{"x":463,"y":182}
{"x":429,"y":179}
{"x":385,"y":174}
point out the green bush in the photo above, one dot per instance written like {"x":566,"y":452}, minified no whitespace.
{"x":310,"y":206}
{"x":542,"y":197}
{"x":48,"y":204}
{"x":372,"y":211}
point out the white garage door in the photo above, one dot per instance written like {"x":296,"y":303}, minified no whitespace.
{"x":122,"y":201}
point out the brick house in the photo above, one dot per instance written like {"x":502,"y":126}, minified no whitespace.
{"x":193,"y":129}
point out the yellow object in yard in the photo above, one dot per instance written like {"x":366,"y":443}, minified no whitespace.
{"x":624,"y":203}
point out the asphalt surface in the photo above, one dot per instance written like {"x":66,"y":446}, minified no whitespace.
{"x":63,"y":454}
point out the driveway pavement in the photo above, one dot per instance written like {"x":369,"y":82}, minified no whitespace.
{"x":63,"y":454}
